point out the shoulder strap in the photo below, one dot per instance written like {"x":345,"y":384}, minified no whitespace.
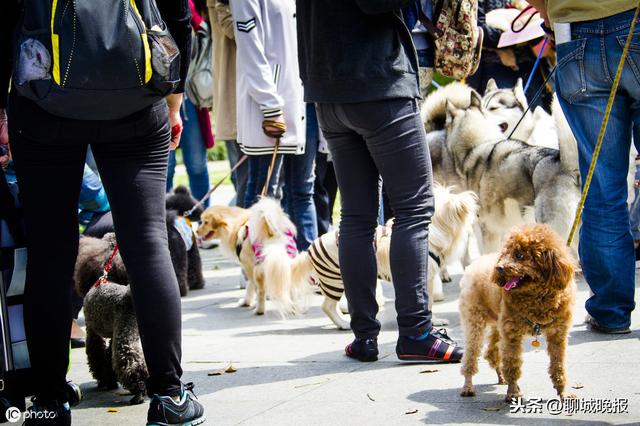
{"x":429,"y":24}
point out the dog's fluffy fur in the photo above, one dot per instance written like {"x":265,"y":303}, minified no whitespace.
{"x":530,"y":282}
{"x":109,"y":315}
{"x":265,"y":223}
{"x":510,"y":177}
{"x":452,"y":219}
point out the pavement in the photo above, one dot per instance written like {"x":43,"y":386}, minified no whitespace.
{"x":294,"y":372}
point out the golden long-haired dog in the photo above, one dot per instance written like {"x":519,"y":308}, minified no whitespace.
{"x":526,"y":289}
{"x":262,"y":239}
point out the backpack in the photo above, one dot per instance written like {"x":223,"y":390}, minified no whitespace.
{"x":457,"y":37}
{"x":199,"y":83}
{"x":94,"y":59}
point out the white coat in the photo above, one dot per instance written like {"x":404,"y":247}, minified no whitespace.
{"x":268,"y":79}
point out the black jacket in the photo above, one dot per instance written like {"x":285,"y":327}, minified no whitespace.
{"x":355,"y":51}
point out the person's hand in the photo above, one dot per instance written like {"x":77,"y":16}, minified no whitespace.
{"x":5,"y":153}
{"x":274,"y":127}
{"x":174,"y":102}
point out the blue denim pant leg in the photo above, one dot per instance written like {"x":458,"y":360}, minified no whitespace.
{"x":258,"y":171}
{"x":298,"y":188}
{"x":194,"y":154}
{"x":586,"y":66}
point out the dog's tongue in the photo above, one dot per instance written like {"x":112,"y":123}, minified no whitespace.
{"x":513,"y":282}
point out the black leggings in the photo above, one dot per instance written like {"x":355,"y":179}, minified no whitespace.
{"x":368,"y":140}
{"x":131,"y":154}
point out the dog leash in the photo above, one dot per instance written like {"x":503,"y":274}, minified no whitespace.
{"x":603,"y":128}
{"x":536,"y":63}
{"x":220,"y":182}
{"x":107,"y":267}
{"x":534,"y":99}
{"x":277,"y":134}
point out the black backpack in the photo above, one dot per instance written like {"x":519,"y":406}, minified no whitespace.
{"x":94,"y":59}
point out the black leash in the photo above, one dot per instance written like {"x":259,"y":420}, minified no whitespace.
{"x":541,"y":89}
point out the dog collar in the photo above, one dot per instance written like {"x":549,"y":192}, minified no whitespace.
{"x":537,"y":327}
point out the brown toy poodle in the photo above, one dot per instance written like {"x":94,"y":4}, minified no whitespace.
{"x":526,"y":289}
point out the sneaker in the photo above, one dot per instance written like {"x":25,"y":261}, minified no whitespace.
{"x":47,"y":414}
{"x":595,"y":326}
{"x":434,"y":345}
{"x":165,"y":411}
{"x":365,"y":350}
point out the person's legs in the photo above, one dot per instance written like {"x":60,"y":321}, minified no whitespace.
{"x":171,"y":170}
{"x":583,"y":83}
{"x":321,"y":196}
{"x":298,"y":188}
{"x":397,"y":143}
{"x":51,"y":220}
{"x":258,"y":171}
{"x":194,"y":152}
{"x":241,"y":175}
{"x":359,"y":184}
{"x":132,"y":159}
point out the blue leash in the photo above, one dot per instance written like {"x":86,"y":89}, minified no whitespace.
{"x":535,"y":65}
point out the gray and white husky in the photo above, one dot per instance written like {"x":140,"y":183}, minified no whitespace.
{"x":515,"y":182}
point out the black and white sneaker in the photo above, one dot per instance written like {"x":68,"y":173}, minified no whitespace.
{"x":47,"y":414}
{"x":165,"y":411}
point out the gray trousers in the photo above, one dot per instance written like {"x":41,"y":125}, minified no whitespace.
{"x":241,"y":175}
{"x":368,"y":140}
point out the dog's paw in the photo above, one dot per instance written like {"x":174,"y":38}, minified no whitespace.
{"x":445,"y":277}
{"x":243,"y":303}
{"x":137,"y":399}
{"x":439,"y":322}
{"x":468,"y":391}
{"x":564,"y":395}
{"x":512,"y":396}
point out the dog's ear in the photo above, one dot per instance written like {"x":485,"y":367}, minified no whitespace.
{"x":518,"y":92}
{"x":476,"y":100}
{"x":491,"y":86}
{"x":452,"y":111}
{"x":558,"y":267}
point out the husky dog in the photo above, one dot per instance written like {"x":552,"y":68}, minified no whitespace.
{"x":510,"y":177}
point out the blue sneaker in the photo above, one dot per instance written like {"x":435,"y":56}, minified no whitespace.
{"x":165,"y":411}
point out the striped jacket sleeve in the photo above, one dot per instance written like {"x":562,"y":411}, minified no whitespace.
{"x":251,"y":58}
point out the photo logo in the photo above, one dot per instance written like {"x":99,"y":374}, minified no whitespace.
{"x":13,"y":414}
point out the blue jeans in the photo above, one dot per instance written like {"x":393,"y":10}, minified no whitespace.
{"x":298,"y":185}
{"x":586,"y":67}
{"x":194,"y":154}
{"x":258,"y":170}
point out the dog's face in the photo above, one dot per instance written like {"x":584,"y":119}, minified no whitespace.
{"x":182,"y":201}
{"x":504,"y":107}
{"x":469,"y":127}
{"x":213,"y":221}
{"x":534,"y":261}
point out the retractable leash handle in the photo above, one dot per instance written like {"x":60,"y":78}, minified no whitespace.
{"x":603,"y":127}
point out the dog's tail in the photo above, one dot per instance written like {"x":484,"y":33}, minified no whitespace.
{"x":302,"y":269}
{"x":452,"y":220}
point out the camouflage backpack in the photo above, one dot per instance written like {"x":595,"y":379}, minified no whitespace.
{"x":457,"y":37}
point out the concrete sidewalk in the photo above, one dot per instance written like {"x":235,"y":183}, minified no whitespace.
{"x":294,"y":372}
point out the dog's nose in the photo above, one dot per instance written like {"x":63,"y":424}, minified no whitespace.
{"x":500,"y":270}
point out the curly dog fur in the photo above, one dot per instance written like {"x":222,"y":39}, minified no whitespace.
{"x":109,"y":314}
{"x":529,"y":283}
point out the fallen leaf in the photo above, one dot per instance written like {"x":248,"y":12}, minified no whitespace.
{"x":578,"y":386}
{"x":411,"y":412}
{"x":311,"y":384}
{"x":112,"y":410}
{"x":429,"y":371}
{"x":230,"y":369}
{"x":492,"y":409}
{"x":218,"y":372}
{"x":216,"y":267}
{"x":370,"y":398}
